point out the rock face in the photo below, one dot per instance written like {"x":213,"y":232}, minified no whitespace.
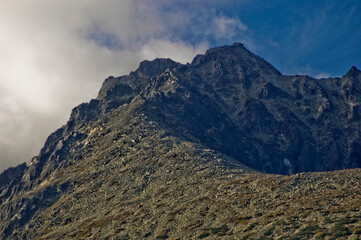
{"x":235,"y":102}
{"x":168,"y":132}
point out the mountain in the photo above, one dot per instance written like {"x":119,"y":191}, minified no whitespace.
{"x":193,"y":151}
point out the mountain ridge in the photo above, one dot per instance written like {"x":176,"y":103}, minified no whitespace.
{"x":121,"y":90}
{"x":228,"y":115}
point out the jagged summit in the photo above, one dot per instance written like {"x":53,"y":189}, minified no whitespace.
{"x":171,"y":138}
{"x":156,"y":66}
{"x":236,"y":55}
{"x":138,"y":79}
{"x":353,"y":72}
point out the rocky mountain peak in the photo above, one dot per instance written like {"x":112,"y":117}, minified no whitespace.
{"x":235,"y":58}
{"x":155,"y":67}
{"x":235,"y":102}
{"x":165,"y":151}
{"x":136,"y":80}
{"x":353,"y":72}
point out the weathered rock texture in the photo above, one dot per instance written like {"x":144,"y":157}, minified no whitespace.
{"x":168,"y":151}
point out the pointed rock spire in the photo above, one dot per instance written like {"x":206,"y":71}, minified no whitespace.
{"x":353,"y":72}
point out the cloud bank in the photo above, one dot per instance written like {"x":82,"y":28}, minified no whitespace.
{"x":55,"y":55}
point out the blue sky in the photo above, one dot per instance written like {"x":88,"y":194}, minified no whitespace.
{"x":298,"y":37}
{"x":56,"y":54}
{"x":309,"y":37}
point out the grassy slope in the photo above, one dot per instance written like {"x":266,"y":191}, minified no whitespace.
{"x":134,"y":181}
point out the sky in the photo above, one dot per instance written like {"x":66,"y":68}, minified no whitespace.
{"x":55,"y":54}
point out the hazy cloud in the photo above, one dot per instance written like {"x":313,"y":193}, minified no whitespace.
{"x":322,"y":75}
{"x":224,"y":27}
{"x":55,"y":55}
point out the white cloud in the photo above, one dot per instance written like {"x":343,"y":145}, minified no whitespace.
{"x":55,"y":55}
{"x":227,"y":28}
{"x":322,"y":75}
